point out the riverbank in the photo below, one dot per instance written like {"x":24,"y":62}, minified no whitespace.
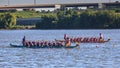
{"x":20,"y":27}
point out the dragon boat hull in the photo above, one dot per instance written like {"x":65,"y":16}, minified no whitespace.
{"x":85,"y":41}
{"x":22,"y":46}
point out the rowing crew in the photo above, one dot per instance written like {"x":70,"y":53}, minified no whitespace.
{"x":86,"y":39}
{"x":41,"y":43}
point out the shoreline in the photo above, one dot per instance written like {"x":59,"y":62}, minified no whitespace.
{"x":54,"y":29}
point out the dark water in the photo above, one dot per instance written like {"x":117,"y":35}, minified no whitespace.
{"x":88,"y":55}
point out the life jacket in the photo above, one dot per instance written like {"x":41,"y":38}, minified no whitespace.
{"x":67,"y":42}
{"x":101,"y":40}
{"x":77,"y":43}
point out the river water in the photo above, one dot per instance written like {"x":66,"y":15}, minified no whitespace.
{"x":88,"y":55}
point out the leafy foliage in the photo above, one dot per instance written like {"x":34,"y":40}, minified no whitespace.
{"x":48,"y":21}
{"x":74,"y":19}
{"x":7,"y":20}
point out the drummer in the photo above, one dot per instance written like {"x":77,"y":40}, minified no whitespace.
{"x":24,"y":41}
{"x":101,"y":39}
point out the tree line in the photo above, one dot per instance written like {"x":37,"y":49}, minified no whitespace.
{"x":70,"y":19}
{"x":74,"y":19}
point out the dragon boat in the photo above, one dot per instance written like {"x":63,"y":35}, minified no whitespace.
{"x":67,"y":42}
{"x":42,"y":46}
{"x":85,"y":40}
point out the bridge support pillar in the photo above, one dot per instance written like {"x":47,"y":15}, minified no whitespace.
{"x":91,"y":7}
{"x":57,"y":6}
{"x":60,"y":7}
{"x":101,"y":6}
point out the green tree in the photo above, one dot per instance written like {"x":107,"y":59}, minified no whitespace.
{"x":74,"y":19}
{"x":7,"y":20}
{"x":86,"y":19}
{"x":47,"y":22}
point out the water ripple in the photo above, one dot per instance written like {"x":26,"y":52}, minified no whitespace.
{"x":88,"y":55}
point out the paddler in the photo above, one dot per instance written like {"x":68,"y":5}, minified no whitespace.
{"x":67,"y":42}
{"x":77,"y":43}
{"x":101,"y":40}
{"x":65,"y":37}
{"x":24,"y":41}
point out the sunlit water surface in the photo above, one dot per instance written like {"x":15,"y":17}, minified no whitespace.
{"x":88,"y":55}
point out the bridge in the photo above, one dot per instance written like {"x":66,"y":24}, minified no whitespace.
{"x":88,"y":5}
